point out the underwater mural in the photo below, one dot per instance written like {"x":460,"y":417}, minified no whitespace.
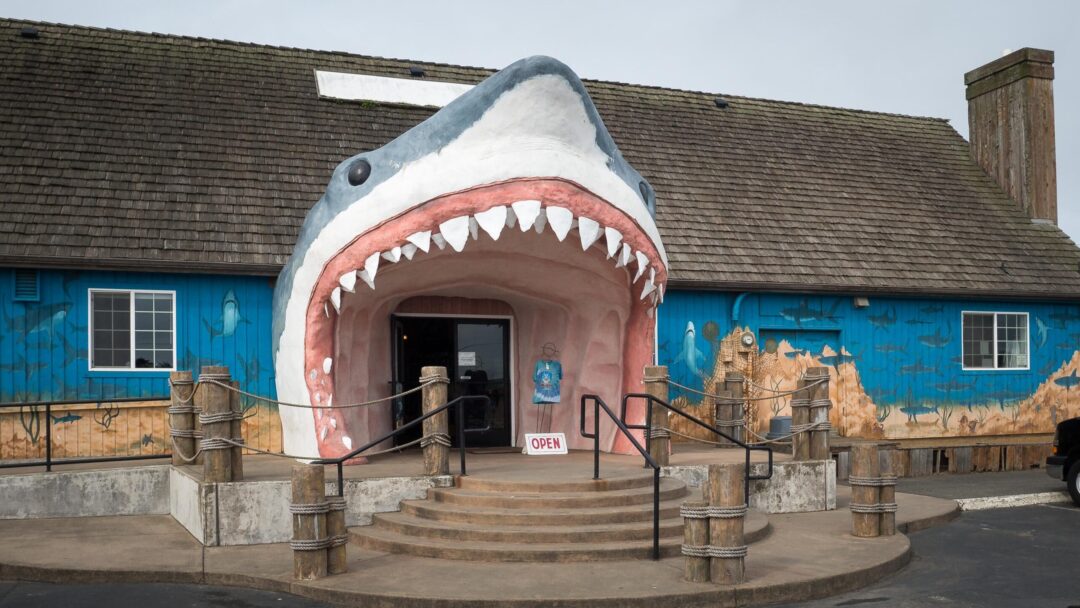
{"x":896,"y":366}
{"x":44,"y":356}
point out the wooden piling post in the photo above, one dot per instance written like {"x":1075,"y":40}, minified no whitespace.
{"x":800,"y":420}
{"x":656,"y":383}
{"x":216,"y":424}
{"x":724,"y":419}
{"x":865,"y":473}
{"x":695,"y":547}
{"x":182,"y":417}
{"x":727,"y":514}
{"x":436,"y":441}
{"x":309,"y":509}
{"x":819,"y":413}
{"x":338,"y":534}
{"x":887,"y":491}
{"x":236,"y":432}
{"x":733,"y":383}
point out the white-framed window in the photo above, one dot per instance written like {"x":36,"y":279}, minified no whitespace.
{"x":995,"y":340}
{"x":132,"y":330}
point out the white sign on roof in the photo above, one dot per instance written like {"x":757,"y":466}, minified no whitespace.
{"x":364,"y":87}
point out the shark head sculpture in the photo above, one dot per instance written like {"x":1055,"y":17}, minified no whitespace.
{"x":521,"y":171}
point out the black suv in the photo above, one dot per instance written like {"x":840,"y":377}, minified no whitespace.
{"x":1065,"y":463}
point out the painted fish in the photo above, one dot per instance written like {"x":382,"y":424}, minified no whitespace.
{"x":1068,"y":381}
{"x":929,"y":310}
{"x":1061,"y":319}
{"x":919,"y":322}
{"x":230,"y":317}
{"x":883,"y":320}
{"x":46,"y":317}
{"x":689,"y":354}
{"x":936,"y":340}
{"x":1043,"y":330}
{"x":916,"y":368}
{"x":953,"y":386}
{"x":804,"y":312}
{"x":891,"y":348}
{"x":66,"y":418}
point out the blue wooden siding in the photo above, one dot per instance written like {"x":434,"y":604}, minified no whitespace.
{"x":907,"y":351}
{"x":43,"y":344}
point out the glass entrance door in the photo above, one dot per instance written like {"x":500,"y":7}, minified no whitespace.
{"x":476,"y":354}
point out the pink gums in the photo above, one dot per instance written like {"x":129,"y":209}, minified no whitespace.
{"x":330,"y":425}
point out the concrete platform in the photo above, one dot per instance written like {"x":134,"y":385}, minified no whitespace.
{"x":808,"y":555}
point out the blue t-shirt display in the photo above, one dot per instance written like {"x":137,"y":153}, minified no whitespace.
{"x":547,"y":376}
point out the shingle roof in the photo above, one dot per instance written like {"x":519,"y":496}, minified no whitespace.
{"x":148,"y":151}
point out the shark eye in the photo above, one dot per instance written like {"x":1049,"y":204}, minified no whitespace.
{"x":359,"y":172}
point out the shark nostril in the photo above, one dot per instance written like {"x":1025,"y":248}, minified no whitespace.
{"x":359,"y":172}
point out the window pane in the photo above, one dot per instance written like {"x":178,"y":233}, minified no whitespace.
{"x":121,"y":320}
{"x":144,"y":340}
{"x":144,"y":320}
{"x":163,"y":320}
{"x":163,"y":340}
{"x":1012,"y":346}
{"x":978,"y":340}
{"x":144,"y":302}
{"x":164,"y":359}
{"x":144,"y":358}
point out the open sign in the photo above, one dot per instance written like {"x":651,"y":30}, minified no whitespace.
{"x":538,"y":444}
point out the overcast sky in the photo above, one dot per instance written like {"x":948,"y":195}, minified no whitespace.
{"x":903,"y":57}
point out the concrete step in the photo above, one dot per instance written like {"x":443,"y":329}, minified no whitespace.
{"x":669,"y":489}
{"x":410,"y":525}
{"x":371,"y":537}
{"x":521,"y":549}
{"x":483,"y":484}
{"x":495,"y":516}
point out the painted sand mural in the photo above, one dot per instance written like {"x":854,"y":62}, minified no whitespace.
{"x":900,"y":377}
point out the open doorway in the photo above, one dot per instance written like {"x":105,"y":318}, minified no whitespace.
{"x":476,"y":354}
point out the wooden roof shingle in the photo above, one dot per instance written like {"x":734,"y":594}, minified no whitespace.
{"x":148,"y":151}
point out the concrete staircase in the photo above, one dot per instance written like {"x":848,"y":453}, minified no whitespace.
{"x":529,"y":521}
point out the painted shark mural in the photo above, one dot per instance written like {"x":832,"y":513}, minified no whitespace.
{"x":514,"y":191}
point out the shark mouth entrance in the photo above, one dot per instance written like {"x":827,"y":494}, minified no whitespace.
{"x":515,"y":193}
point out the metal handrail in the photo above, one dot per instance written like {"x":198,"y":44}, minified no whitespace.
{"x":650,"y":399}
{"x":595,"y":436}
{"x":460,"y":402}
{"x":49,"y":461}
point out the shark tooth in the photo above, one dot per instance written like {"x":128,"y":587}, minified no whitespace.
{"x":327,"y":365}
{"x":474,"y":228}
{"x":371,"y":267}
{"x":541,"y":222}
{"x":526,"y":212}
{"x":561,"y":220}
{"x":421,"y":240}
{"x":649,"y":285}
{"x":439,"y":241}
{"x":613,"y":238}
{"x":650,"y":312}
{"x":511,"y":218}
{"x":589,"y":231}
{"x":348,"y":281}
{"x":392,"y":255}
{"x":456,"y":231}
{"x":326,"y":310}
{"x":624,"y":256}
{"x":642,"y":264}
{"x":492,"y":221}
{"x":408,"y":250}
{"x":335,"y":298}
{"x":660,"y":290}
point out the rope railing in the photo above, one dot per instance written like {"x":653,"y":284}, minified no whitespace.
{"x":720,"y":398}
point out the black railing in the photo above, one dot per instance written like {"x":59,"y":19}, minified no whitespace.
{"x":49,"y":461}
{"x":461,"y":431}
{"x":598,"y":403}
{"x":650,"y":399}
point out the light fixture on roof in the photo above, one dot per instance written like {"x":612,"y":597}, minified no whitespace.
{"x":30,"y":32}
{"x":720,"y":102}
{"x":861,"y":302}
{"x":416,"y":72}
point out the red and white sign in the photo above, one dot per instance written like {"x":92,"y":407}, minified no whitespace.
{"x":541,"y":444}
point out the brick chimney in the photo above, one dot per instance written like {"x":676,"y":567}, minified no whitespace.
{"x":1011,"y":121}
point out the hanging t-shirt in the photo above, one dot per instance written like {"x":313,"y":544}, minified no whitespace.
{"x":547,"y":376}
